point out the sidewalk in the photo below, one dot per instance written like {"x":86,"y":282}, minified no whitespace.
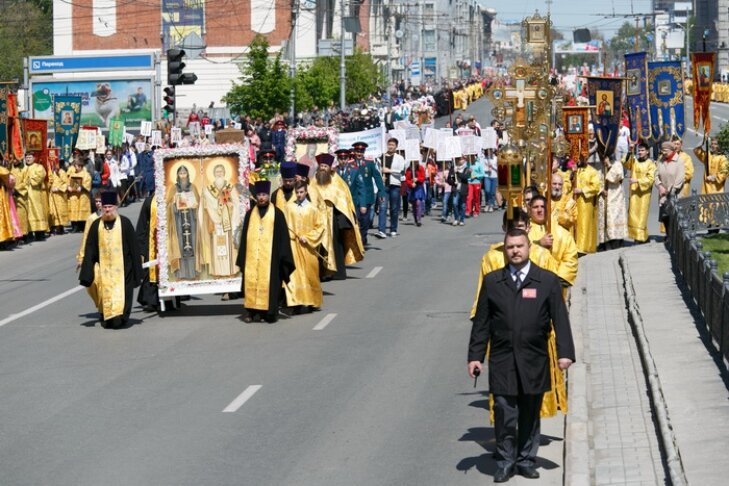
{"x":613,"y":429}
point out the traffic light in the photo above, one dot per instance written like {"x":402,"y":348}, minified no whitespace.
{"x":169,"y":98}
{"x":175,"y":66}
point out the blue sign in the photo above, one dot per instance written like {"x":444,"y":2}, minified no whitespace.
{"x":75,"y":64}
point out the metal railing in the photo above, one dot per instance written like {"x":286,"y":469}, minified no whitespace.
{"x":688,"y":220}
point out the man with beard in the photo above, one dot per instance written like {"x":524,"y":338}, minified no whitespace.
{"x":220,"y":218}
{"x":559,"y":241}
{"x":342,"y":243}
{"x":564,"y":208}
{"x":111,"y":244}
{"x":642,"y":175}
{"x":264,"y":257}
{"x":285,"y":193}
{"x":184,"y":242}
{"x":37,"y":197}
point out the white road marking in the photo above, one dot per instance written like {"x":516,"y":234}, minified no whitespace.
{"x":30,"y":310}
{"x":374,"y":272}
{"x":242,"y":398}
{"x":324,"y":322}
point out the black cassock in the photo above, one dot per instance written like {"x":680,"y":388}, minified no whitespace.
{"x":282,"y":258}
{"x":148,"y":295}
{"x":132,"y":260}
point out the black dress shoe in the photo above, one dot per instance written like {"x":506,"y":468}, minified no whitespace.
{"x":503,"y":474}
{"x":529,"y":472}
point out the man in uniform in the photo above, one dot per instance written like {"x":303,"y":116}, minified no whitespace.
{"x":342,"y":243}
{"x":369,"y":177}
{"x":642,"y":174}
{"x":717,"y":170}
{"x":112,"y":245}
{"x":587,"y":187}
{"x":517,"y":308}
{"x":264,"y":257}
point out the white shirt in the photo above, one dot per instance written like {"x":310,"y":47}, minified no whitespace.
{"x":397,"y":169}
{"x":522,"y":273}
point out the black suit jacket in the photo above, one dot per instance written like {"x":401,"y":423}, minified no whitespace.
{"x":517,"y":324}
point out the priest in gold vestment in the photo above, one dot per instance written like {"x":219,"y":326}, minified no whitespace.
{"x":58,"y":199}
{"x":586,"y":189}
{"x":717,"y":170}
{"x":264,"y":257}
{"x":564,"y":207}
{"x":20,"y":195}
{"x":111,"y":261}
{"x":79,"y":194}
{"x":91,"y":289}
{"x":306,"y":230}
{"x":220,"y":219}
{"x":642,"y":175}
{"x":687,"y":163}
{"x":7,"y":182}
{"x":343,"y":242}
{"x":37,"y":197}
{"x":559,"y":241}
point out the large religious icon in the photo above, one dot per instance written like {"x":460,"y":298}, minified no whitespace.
{"x":303,"y":144}
{"x":202,"y":198}
{"x":704,"y":70}
{"x":605,"y":103}
{"x":633,"y":86}
{"x":34,"y":141}
{"x":574,"y":124}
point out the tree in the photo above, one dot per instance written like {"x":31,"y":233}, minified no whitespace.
{"x":624,"y":40}
{"x":265,"y":86}
{"x":318,"y":85}
{"x":26,"y":29}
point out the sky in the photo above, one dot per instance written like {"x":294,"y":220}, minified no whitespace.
{"x":568,"y":15}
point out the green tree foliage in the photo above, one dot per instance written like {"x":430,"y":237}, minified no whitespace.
{"x":265,"y":85}
{"x":624,"y":40}
{"x":318,"y":84}
{"x":26,"y":29}
{"x":723,"y":138}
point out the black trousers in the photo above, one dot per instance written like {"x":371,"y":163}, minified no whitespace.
{"x":517,"y":424}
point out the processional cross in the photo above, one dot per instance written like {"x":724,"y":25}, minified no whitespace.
{"x":521,"y":96}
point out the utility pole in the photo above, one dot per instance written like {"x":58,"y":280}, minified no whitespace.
{"x":342,"y":64}
{"x":292,"y":54}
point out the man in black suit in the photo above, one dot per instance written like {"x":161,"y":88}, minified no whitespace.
{"x":515,"y":309}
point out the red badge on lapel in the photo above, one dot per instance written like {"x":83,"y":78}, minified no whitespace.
{"x":529,"y":293}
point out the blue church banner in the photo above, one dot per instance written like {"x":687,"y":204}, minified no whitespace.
{"x":665,"y":96}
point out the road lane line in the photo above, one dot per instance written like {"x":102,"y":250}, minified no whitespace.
{"x":30,"y":310}
{"x":324,"y":322}
{"x":374,"y":272}
{"x":242,"y":398}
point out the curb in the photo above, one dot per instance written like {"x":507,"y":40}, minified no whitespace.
{"x":655,"y":390}
{"x":577,"y":445}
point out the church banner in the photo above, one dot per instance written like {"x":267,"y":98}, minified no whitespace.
{"x":575,"y":131}
{"x":636,"y":70}
{"x":35,"y":134}
{"x":66,"y":121}
{"x":605,"y":95}
{"x":665,"y":96}
{"x":703,"y":67}
{"x":202,"y":197}
{"x":14,"y":127}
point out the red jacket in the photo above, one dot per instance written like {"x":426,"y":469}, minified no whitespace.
{"x":420,"y":175}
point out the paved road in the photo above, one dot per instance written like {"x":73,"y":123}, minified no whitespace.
{"x":378,"y":396}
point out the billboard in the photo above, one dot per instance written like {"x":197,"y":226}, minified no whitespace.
{"x":102,"y":100}
{"x":181,"y":18}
